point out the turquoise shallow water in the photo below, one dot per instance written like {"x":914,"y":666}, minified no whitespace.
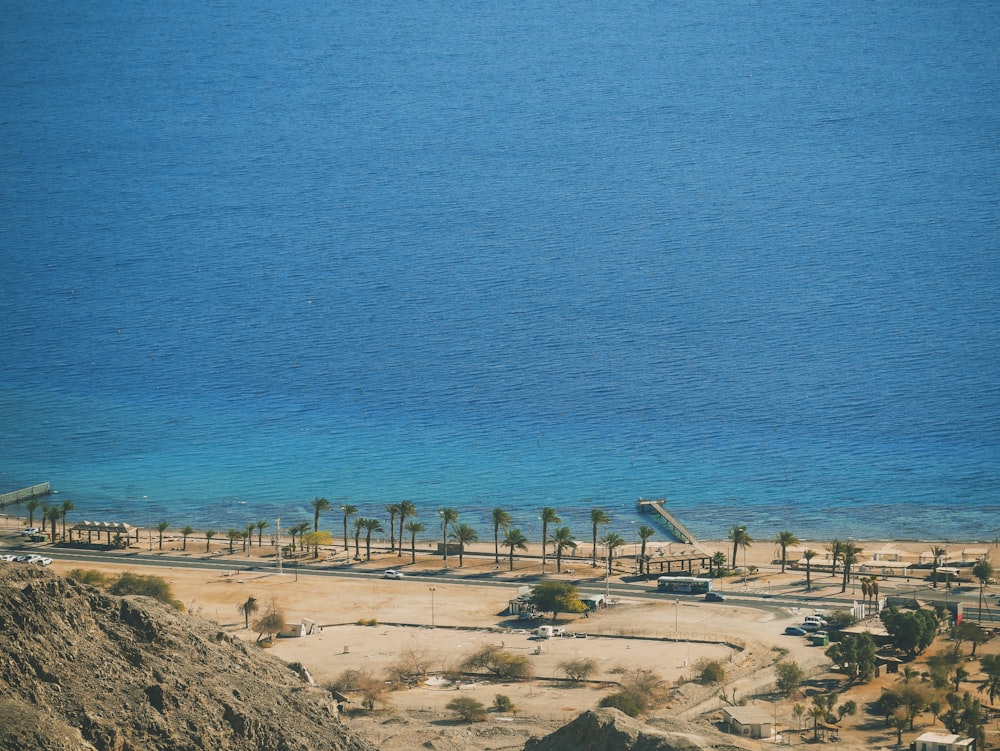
{"x":745,"y":259}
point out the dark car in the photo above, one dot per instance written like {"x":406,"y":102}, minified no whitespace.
{"x":714,"y":597}
{"x":795,"y":631}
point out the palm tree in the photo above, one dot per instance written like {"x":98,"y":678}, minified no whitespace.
{"x":645,"y":532}
{"x":186,"y":530}
{"x":393,"y":509}
{"x":32,"y":505}
{"x":318,"y":505}
{"x":348,"y":510}
{"x":719,"y":559}
{"x":161,"y":527}
{"x":597,"y":516}
{"x":358,"y":527}
{"x":561,"y":538}
{"x":209,"y":534}
{"x":612,"y":541}
{"x":248,"y":609}
{"x":234,"y":535}
{"x":53,"y":514}
{"x":809,"y":555}
{"x":785,"y":540}
{"x":939,"y":553}
{"x":836,"y":549}
{"x":261,"y":525}
{"x":406,"y":510}
{"x":370,"y":526}
{"x":740,"y":538}
{"x":501,"y":520}
{"x":248,"y":535}
{"x":850,"y":558}
{"x":448,"y":516}
{"x":414,"y":528}
{"x":514,"y":538}
{"x":64,"y":508}
{"x":463,"y":534}
{"x":549,"y":516}
{"x":982,"y":570}
{"x":301,"y":528}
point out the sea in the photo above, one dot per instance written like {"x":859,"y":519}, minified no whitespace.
{"x":739,"y":256}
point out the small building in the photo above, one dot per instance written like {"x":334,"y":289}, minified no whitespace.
{"x":594,"y":601}
{"x":749,"y":721}
{"x":942,"y":742}
{"x":297,"y":630}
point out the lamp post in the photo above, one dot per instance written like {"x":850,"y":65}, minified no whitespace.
{"x":432,"y":588}
{"x":677,"y":605}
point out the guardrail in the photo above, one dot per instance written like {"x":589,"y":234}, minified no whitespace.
{"x":24,"y":494}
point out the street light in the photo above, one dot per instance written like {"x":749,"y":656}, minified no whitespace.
{"x":432,"y":589}
{"x":677,"y":604}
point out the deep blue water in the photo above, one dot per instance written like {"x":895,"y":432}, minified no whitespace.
{"x":742,"y":256}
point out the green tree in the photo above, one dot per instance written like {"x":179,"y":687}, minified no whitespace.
{"x":597,"y":517}
{"x":464,"y":535}
{"x":318,"y":505}
{"x":836,"y":549}
{"x":147,"y":586}
{"x":549,"y":516}
{"x":561,"y":539}
{"x":911,"y":632}
{"x":501,"y":521}
{"x":315,"y":539}
{"x":740,"y":538}
{"x":817,"y":714}
{"x":938,"y":552}
{"x":53,"y":514}
{"x":248,"y":609}
{"x":578,"y":669}
{"x":348,"y":510}
{"x":718,"y":559}
{"x":64,"y":508}
{"x":359,"y":527}
{"x":850,"y":556}
{"x":990,"y":667}
{"x":186,"y":530}
{"x":393,"y":509}
{"x":247,"y":536}
{"x":498,"y":662}
{"x":789,"y":677}
{"x":414,"y":528}
{"x":982,"y":570}
{"x":370,"y":526}
{"x":971,"y":632}
{"x":261,"y":525}
{"x":514,"y":539}
{"x":612,"y":541}
{"x":855,"y":655}
{"x":161,"y":527}
{"x":809,"y":555}
{"x":407,"y":509}
{"x":645,"y":532}
{"x":299,"y":529}
{"x":468,"y":709}
{"x":31,"y":506}
{"x":557,"y":597}
{"x":234,"y":535}
{"x":785,"y":540}
{"x":209,"y":534}
{"x":448,"y":517}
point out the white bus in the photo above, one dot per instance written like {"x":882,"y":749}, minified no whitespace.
{"x":684,"y":585}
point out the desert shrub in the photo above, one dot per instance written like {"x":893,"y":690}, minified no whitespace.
{"x":468,"y":709}
{"x":840,"y":619}
{"x":147,"y":586}
{"x":271,"y":622}
{"x":711,"y":671}
{"x":623,"y":702}
{"x":367,"y":621}
{"x":789,"y":677}
{"x":499,"y":662}
{"x":89,"y":576}
{"x":578,"y":669}
{"x":411,"y":665}
{"x":371,"y":689}
{"x":502,"y":703}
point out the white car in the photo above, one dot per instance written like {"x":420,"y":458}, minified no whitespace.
{"x":8,"y":558}
{"x":30,"y":531}
{"x":42,"y":561}
{"x":393,"y":574}
{"x":28,"y":558}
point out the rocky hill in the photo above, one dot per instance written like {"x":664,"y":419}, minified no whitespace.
{"x":80,"y":669}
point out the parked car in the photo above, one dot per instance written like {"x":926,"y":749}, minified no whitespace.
{"x":42,"y":561}
{"x":28,"y":558}
{"x":714,"y":597}
{"x":810,"y":626}
{"x":29,"y":531}
{"x":815,"y":619}
{"x":795,"y":631}
{"x":393,"y":574}
{"x":7,"y":558}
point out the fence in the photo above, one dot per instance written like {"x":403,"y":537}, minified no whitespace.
{"x":24,"y":494}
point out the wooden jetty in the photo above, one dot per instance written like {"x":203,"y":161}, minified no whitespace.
{"x":24,"y":494}
{"x":672,"y":523}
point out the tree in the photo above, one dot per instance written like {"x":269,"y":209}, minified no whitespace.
{"x":261,"y":525}
{"x":597,"y":517}
{"x":359,"y":527}
{"x":318,"y":505}
{"x":299,"y":529}
{"x":147,"y":586}
{"x":577,"y":669}
{"x":809,"y":555}
{"x":414,"y":528}
{"x":31,"y":506}
{"x":370,"y":526}
{"x":501,"y":520}
{"x":348,"y":510}
{"x":64,"y":508}
{"x":789,"y":677}
{"x":514,"y":539}
{"x":982,"y":570}
{"x":836,"y":549}
{"x":911,"y":632}
{"x":271,"y":622}
{"x":740,"y":538}
{"x":498,"y":662}
{"x":468,"y":709}
{"x":898,"y":721}
{"x":711,"y":671}
{"x":406,"y":510}
{"x":645,"y":532}
{"x":612,"y":541}
{"x":938,"y":552}
{"x":448,"y":517}
{"x":549,"y":516}
{"x":718,"y":559}
{"x":247,"y":536}
{"x":855,"y":655}
{"x":186,"y":530}
{"x":850,"y":553}
{"x":817,"y":713}
{"x":248,"y":609}
{"x":234,"y":535}
{"x":315,"y":539}
{"x":464,"y":535}
{"x":161,"y":527}
{"x":990,"y":666}
{"x":393,"y":509}
{"x":561,"y":538}
{"x":971,"y":632}
{"x":209,"y":534}
{"x":785,"y":540}
{"x":53,"y":514}
{"x":557,"y":597}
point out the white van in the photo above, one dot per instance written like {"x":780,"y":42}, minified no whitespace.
{"x":815,"y":619}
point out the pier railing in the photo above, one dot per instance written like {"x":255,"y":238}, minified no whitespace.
{"x":17,"y":496}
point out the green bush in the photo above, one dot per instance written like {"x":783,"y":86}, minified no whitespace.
{"x":89,"y":576}
{"x":148,"y":586}
{"x":502,"y":703}
{"x":711,"y":671}
{"x":621,"y":701}
{"x":467,"y":708}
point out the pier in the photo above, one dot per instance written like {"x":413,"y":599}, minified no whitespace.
{"x":24,"y":494}
{"x":672,"y":523}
